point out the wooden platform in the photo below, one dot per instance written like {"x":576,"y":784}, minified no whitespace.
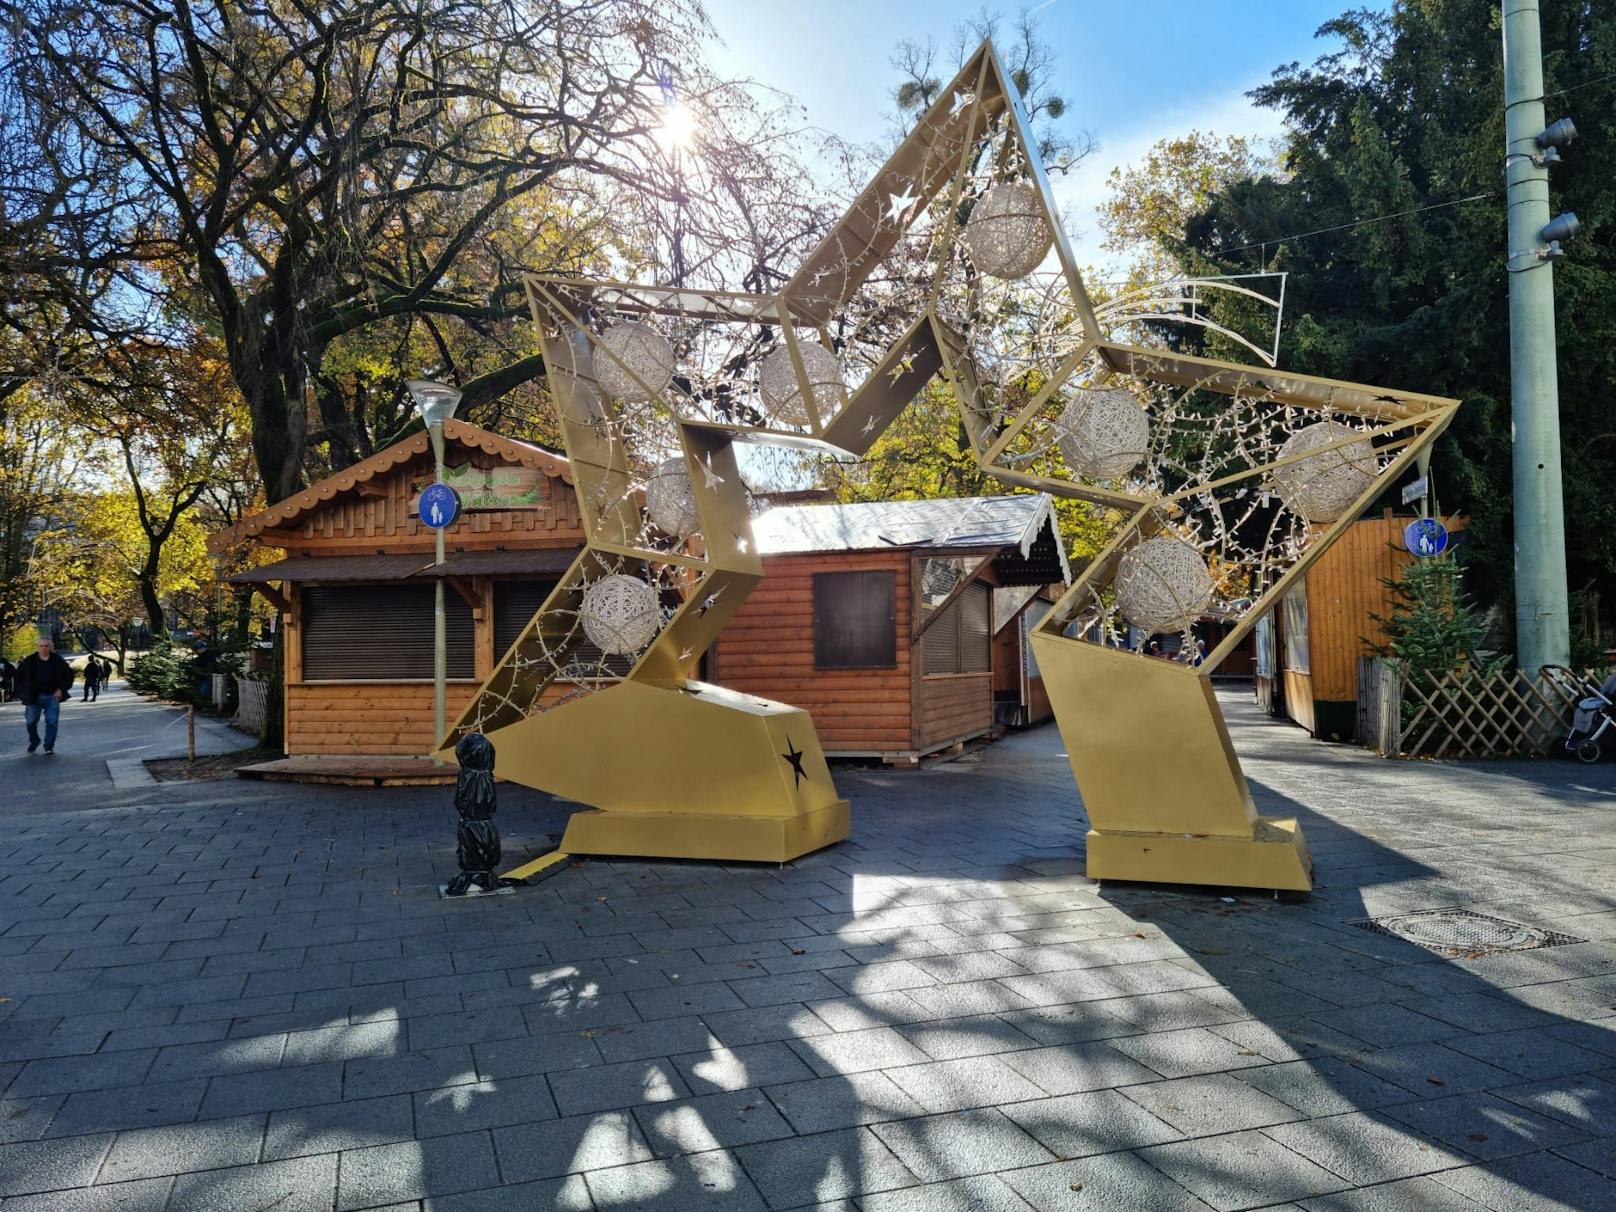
{"x":356,"y":770}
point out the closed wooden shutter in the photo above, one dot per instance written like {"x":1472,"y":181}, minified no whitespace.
{"x":855,"y":620}
{"x":515,"y":604}
{"x":962,"y":640}
{"x":372,"y":633}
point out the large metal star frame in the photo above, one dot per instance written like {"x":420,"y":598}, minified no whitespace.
{"x":894,"y":293}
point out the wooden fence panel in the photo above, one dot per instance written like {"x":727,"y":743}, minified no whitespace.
{"x":1466,"y":714}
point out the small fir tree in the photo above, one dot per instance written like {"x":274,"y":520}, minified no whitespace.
{"x":1433,"y":628}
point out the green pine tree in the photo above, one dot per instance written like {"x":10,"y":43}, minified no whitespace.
{"x":1434,"y":627}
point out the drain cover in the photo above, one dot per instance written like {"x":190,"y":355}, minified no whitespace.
{"x":1462,"y":934}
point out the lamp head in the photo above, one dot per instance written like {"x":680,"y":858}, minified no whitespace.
{"x":1557,"y":133}
{"x":436,"y":402}
{"x":1561,"y":228}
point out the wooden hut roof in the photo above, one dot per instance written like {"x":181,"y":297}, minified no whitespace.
{"x":461,"y":433}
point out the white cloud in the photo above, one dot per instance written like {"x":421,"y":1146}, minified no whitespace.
{"x":1080,"y":192}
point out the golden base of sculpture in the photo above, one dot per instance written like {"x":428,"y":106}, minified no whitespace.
{"x":1275,"y":856}
{"x":687,"y":770}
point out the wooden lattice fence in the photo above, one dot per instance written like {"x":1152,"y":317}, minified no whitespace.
{"x":1466,"y":714}
{"x":251,"y":704}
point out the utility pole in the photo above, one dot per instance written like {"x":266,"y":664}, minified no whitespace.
{"x":1542,"y":613}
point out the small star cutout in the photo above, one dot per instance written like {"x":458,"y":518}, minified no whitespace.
{"x":685,"y":654}
{"x":902,"y":368}
{"x":899,"y":204}
{"x":869,"y":426}
{"x":741,"y":544}
{"x":794,"y":756}
{"x":712,"y":478}
{"x":961,"y":100}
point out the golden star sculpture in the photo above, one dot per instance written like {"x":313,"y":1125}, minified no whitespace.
{"x":1228,"y":482}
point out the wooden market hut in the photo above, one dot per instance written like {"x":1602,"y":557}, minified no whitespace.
{"x":899,"y":625}
{"x":1307,"y":649}
{"x":354,"y":586}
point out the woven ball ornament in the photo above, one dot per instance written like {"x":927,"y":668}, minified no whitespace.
{"x":1103,"y":433}
{"x":637,"y":347}
{"x":671,"y":501}
{"x":1007,"y":234}
{"x":620,"y":614}
{"x":1322,"y":487}
{"x":1163,"y":585}
{"x":782,"y":391}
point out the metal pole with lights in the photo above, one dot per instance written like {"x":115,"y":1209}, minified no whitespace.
{"x":436,"y":402}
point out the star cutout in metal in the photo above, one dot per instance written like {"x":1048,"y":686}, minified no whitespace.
{"x":712,"y":478}
{"x":793,"y":755}
{"x":899,"y":204}
{"x":903,"y":367}
{"x":961,"y":100}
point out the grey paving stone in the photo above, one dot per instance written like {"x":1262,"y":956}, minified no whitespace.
{"x":978,"y":1035}
{"x":1486,"y":1126}
{"x":570,"y":1145}
{"x":1386,"y":1026}
{"x":958,"y":1085}
{"x":979,"y":1193}
{"x":637,"y":1041}
{"x":143,"y":1106}
{"x":825,"y":1167}
{"x":765,"y":1025}
{"x":1542,"y":1182}
{"x":209,"y":1145}
{"x":1366,"y":1147}
{"x":972,"y":997}
{"x":845,"y":1101}
{"x":302,"y":1185}
{"x":870,"y":1010}
{"x":1100,"y":1121}
{"x":1242,"y":1170}
{"x":1189,"y":1052}
{"x":1206,"y":1106}
{"x":1432,"y":1070}
{"x":1531,"y":1053}
{"x":48,"y":1165}
{"x":706,"y":1180}
{"x":544,"y":1054}
{"x":1598,"y":1155}
{"x":1288,"y":1039}
{"x":858,"y":1051}
{"x":427,"y":1070}
{"x":750,"y":1065}
{"x":466,"y":1027}
{"x":882,"y":977}
{"x":559,"y":1195}
{"x":147,"y":1195}
{"x":938,"y":1147}
{"x":1482,"y":1011}
{"x":1109,"y":1183}
{"x":612,"y":1087}
{"x":1068,"y":1024}
{"x":1405,"y":1195}
{"x":66,"y":1074}
{"x":1326,"y":1085}
{"x":1074,"y":1068}
{"x":214,"y":1058}
{"x":344,"y":1043}
{"x":332,"y":1127}
{"x":272,"y":1090}
{"x":683,"y":1001}
{"x":1586,"y":1102}
{"x":27,"y":1118}
{"x":486,"y":1104}
{"x":424,"y":1169}
{"x":710,"y":1121}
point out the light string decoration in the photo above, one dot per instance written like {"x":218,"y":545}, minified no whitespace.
{"x":950,"y":263}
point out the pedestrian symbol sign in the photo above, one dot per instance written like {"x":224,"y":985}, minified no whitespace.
{"x":438,"y":505}
{"x":1425,"y":537}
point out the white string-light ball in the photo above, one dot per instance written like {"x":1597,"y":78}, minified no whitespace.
{"x":1163,"y":585}
{"x":782,"y":390}
{"x":670,"y":499}
{"x":637,"y":347}
{"x":1007,"y":234}
{"x":620,"y":614}
{"x":1323,"y":486}
{"x":1103,"y":433}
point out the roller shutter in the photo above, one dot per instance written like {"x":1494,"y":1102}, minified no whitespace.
{"x":855,"y":620}
{"x":962,"y":640}
{"x":377,"y":633}
{"x":515,"y":604}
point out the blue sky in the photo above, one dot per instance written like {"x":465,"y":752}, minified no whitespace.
{"x":1134,"y":72}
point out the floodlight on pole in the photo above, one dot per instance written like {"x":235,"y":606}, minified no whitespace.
{"x":436,"y":402}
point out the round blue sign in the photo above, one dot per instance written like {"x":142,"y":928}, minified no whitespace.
{"x":438,"y":505}
{"x":1425,"y":537}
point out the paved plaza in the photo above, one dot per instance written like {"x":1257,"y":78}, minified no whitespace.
{"x":249,"y":998}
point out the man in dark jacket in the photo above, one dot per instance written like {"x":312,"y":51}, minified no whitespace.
{"x":92,"y":679}
{"x":42,"y":683}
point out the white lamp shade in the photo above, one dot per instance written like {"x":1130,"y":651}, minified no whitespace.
{"x":1321,"y":487}
{"x":620,"y":614}
{"x":671,"y":501}
{"x":1163,"y":585}
{"x":1103,"y":434}
{"x":1007,"y":234}
{"x":436,"y":402}
{"x":782,"y":390}
{"x":634,"y":347}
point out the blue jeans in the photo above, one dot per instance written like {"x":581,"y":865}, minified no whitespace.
{"x":50,"y":709}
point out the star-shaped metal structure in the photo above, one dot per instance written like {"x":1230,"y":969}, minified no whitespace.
{"x":1024,"y":358}
{"x":793,"y":757}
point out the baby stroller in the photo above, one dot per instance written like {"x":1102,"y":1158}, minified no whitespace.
{"x":1591,"y":723}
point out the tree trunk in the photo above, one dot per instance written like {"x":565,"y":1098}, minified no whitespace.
{"x":148,"y":595}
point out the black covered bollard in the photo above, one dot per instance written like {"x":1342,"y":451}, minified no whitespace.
{"x":476,"y":835}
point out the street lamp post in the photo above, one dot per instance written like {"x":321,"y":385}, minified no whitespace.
{"x":436,"y":402}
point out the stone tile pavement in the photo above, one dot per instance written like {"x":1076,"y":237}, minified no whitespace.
{"x":249,"y":998}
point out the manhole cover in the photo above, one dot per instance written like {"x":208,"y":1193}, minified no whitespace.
{"x":1459,"y":932}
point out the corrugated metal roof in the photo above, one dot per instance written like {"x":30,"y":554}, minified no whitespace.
{"x":964,"y":522}
{"x":525,"y":561}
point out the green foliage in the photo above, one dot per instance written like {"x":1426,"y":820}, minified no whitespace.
{"x":1433,"y":629}
{"x":164,"y":671}
{"x":22,"y":642}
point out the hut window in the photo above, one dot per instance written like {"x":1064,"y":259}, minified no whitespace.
{"x":962,"y":640}
{"x":1296,"y":638}
{"x":379,"y":633}
{"x":855,"y":620}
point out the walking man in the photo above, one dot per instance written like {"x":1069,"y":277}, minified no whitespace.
{"x":42,"y":683}
{"x":92,"y":679}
